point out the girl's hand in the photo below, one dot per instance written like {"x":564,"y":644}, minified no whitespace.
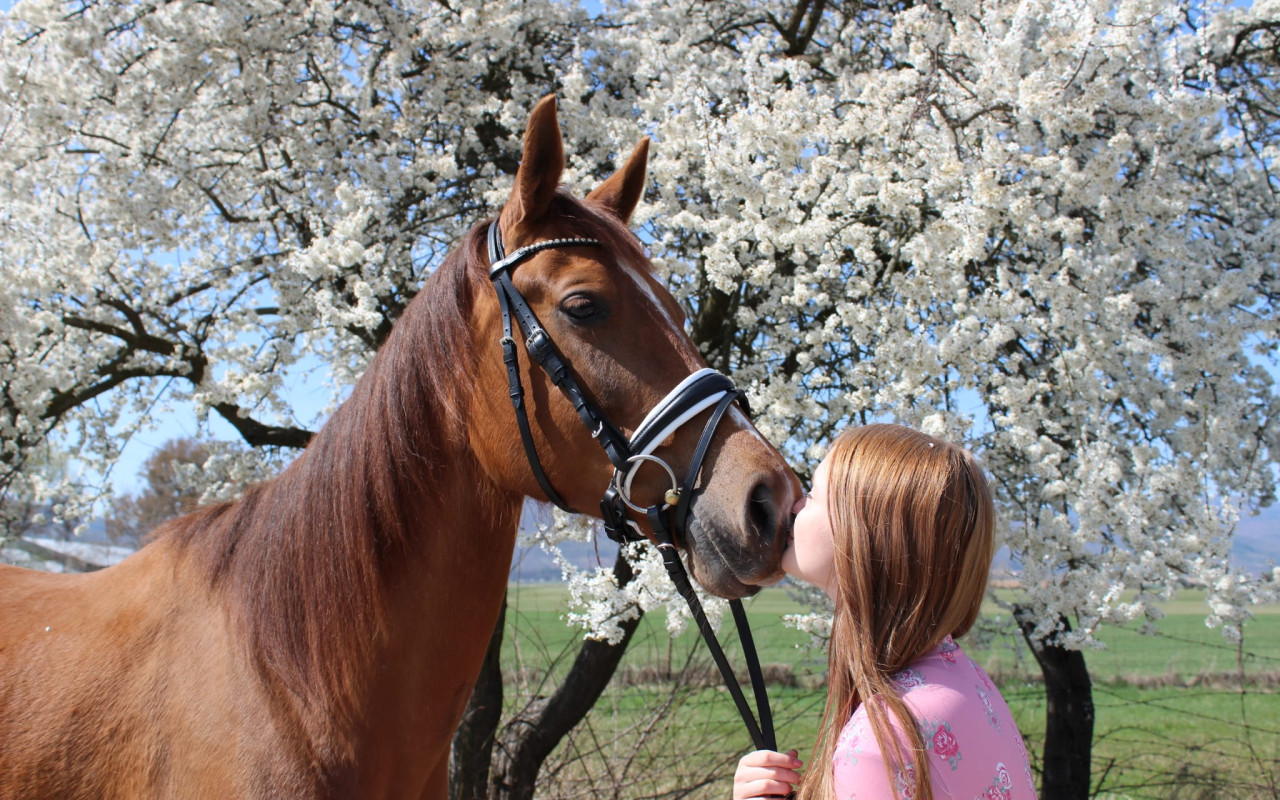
{"x":766,"y":773}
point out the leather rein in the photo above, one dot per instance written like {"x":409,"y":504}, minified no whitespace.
{"x":704,"y":389}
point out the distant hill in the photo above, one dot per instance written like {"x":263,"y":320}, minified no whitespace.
{"x":1257,"y":544}
{"x":535,"y":565}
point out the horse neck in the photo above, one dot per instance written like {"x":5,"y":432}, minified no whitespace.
{"x":433,"y":565}
{"x":383,"y":544}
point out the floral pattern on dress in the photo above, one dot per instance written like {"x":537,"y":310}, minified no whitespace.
{"x":954,"y":709}
{"x":947,"y":649}
{"x":908,"y":679}
{"x":904,"y":781}
{"x":847,"y":749}
{"x":993,"y":719}
{"x":939,"y":738}
{"x":1001,"y":787}
{"x":982,"y":676}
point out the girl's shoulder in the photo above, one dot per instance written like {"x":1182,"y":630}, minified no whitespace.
{"x":943,"y":676}
{"x":971,"y":742}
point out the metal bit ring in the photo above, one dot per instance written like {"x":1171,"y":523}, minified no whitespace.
{"x":672,"y":494}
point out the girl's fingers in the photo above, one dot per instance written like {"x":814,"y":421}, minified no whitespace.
{"x":762,"y":789}
{"x":767,"y":774}
{"x":771,"y":758}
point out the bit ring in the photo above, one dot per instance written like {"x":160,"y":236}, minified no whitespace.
{"x":624,"y":494}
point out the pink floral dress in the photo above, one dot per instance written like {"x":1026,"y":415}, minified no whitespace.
{"x":973,"y":747}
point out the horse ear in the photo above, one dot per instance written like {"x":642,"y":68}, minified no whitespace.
{"x":540,"y":167}
{"x":623,"y":189}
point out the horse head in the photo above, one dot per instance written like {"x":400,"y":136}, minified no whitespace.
{"x":620,"y":336}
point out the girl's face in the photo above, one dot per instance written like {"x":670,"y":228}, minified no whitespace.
{"x":810,"y":554}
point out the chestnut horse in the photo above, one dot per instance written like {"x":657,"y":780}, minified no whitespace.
{"x":320,"y":636}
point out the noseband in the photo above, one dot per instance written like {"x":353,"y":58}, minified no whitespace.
{"x":704,"y":389}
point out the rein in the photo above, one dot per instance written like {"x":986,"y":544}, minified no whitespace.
{"x":704,"y":389}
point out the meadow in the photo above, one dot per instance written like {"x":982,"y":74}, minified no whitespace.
{"x":1179,"y":714}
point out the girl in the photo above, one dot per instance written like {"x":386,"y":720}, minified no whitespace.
{"x":898,"y":529}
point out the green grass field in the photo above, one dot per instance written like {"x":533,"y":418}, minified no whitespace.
{"x":1171,"y":720}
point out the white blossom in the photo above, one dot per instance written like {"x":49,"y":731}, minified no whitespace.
{"x":1043,"y":229}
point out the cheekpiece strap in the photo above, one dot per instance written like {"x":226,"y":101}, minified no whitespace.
{"x":542,"y":351}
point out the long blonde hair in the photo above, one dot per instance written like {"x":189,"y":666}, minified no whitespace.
{"x":912,"y":522}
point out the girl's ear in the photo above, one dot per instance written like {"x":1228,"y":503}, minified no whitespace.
{"x":541,"y":166}
{"x":622,"y":191}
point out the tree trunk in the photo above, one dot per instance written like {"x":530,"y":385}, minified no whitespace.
{"x":472,"y":749}
{"x":530,"y":736}
{"x":1068,"y":740}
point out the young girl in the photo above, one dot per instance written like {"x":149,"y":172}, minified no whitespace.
{"x":898,"y":530}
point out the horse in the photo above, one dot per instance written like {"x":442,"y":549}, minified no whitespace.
{"x":319,"y":637}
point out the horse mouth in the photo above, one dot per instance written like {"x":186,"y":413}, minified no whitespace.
{"x":732,"y":568}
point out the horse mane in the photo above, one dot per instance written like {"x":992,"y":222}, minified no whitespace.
{"x":300,"y":558}
{"x":303,"y":559}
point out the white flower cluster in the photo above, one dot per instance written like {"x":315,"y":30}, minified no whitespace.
{"x":1044,"y":229}
{"x":599,"y":605}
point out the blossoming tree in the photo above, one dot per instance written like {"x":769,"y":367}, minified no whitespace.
{"x":1044,"y":229}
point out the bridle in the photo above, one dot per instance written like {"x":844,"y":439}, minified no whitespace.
{"x":704,"y":389}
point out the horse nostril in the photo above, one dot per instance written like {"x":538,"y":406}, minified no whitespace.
{"x":762,"y":511}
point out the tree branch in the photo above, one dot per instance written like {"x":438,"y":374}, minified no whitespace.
{"x":258,"y":434}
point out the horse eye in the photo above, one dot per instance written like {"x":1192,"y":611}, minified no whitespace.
{"x":581,"y":308}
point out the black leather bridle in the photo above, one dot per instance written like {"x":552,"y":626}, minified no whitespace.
{"x":704,"y":389}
